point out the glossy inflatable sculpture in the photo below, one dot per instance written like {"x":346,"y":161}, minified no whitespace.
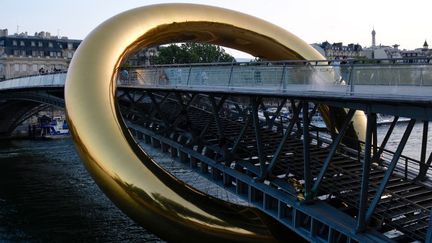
{"x":137,"y":185}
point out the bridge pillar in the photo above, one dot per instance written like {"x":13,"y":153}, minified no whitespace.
{"x":306,"y":153}
{"x":363,"y":200}
{"x":424,"y":165}
{"x":429,"y":231}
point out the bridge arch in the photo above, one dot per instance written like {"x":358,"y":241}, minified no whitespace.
{"x":19,"y":104}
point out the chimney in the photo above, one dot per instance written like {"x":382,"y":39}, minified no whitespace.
{"x":3,"y":32}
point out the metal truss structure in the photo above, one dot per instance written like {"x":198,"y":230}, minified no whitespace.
{"x":317,"y":183}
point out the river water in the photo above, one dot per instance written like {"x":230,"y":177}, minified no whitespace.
{"x":413,"y":146}
{"x":46,"y":195}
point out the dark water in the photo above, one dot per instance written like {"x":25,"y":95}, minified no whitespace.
{"x":46,"y":195}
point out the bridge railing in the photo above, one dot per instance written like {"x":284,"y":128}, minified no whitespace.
{"x":396,"y":79}
{"x":269,"y":76}
{"x":320,"y":77}
{"x":390,"y":79}
{"x":40,"y":81}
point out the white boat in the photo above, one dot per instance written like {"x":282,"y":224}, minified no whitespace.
{"x":57,"y":128}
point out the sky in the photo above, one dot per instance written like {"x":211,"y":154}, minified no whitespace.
{"x":407,"y":23}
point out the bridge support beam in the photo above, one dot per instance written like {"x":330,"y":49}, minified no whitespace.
{"x":390,"y":170}
{"x":260,"y":149}
{"x":215,"y":110}
{"x":283,"y":142}
{"x":306,"y":153}
{"x":363,"y":199}
{"x":377,"y":155}
{"x":158,"y":109}
{"x":298,"y":123}
{"x":429,"y":231}
{"x":239,"y":138}
{"x":424,"y":141}
{"x":332,"y":151}
{"x":271,"y":121}
{"x":374,"y":140}
{"x":424,"y":168}
{"x":424,"y":165}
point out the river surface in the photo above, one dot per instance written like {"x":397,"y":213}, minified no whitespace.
{"x":413,"y":146}
{"x":46,"y":195}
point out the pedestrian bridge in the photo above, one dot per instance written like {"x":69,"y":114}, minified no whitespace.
{"x":399,"y":82}
{"x":336,"y":185}
{"x":388,"y":83}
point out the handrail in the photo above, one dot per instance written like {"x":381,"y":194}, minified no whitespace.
{"x":49,"y":80}
{"x":279,"y":77}
{"x":34,"y":75}
{"x":389,"y":80}
{"x":383,"y":61}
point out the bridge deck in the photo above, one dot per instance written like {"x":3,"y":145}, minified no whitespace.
{"x":395,"y":89}
{"x":405,"y":205}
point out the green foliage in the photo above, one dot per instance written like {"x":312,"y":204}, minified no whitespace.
{"x":126,"y":65}
{"x":192,"y":53}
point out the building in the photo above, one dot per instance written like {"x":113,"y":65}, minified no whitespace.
{"x":355,"y":51}
{"x":382,"y":52}
{"x":22,"y":55}
{"x":339,"y":51}
{"x":418,"y":55}
{"x":143,"y":57}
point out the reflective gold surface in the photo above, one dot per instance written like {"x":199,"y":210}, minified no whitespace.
{"x":126,"y":174}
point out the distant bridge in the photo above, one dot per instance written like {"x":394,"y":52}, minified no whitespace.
{"x":21,"y":98}
{"x":325,"y":186}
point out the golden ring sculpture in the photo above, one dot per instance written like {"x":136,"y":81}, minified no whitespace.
{"x":129,"y":177}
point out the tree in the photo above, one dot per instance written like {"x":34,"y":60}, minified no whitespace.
{"x":192,"y":53}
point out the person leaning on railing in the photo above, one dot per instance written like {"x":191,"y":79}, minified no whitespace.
{"x":344,"y":68}
{"x":124,"y":75}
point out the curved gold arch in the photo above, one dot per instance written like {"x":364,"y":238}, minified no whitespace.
{"x":126,"y":174}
